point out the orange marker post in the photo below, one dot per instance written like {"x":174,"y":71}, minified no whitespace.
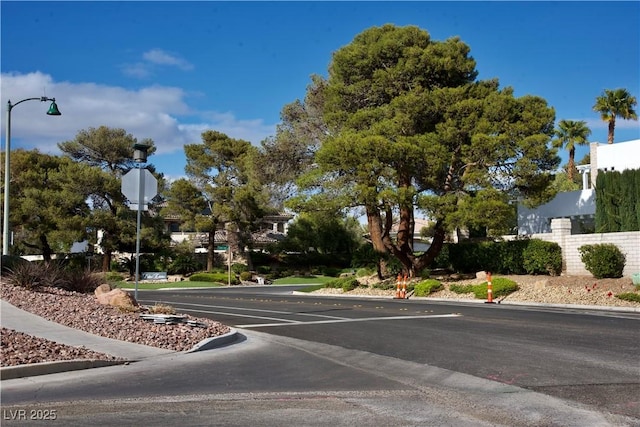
{"x":489,"y":289}
{"x":404,"y":287}
{"x":398,"y":287}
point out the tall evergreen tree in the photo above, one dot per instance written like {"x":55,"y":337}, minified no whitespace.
{"x":110,"y":151}
{"x":221,"y":168}
{"x":408,"y":127}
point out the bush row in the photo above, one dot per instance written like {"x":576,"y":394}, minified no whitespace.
{"x":528,"y":256}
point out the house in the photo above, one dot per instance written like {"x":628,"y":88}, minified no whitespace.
{"x":271,"y":229}
{"x":579,"y":206}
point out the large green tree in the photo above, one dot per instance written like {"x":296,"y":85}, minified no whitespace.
{"x":569,"y":134}
{"x":222,"y":169}
{"x":110,"y":151}
{"x":408,"y":127}
{"x":49,"y":210}
{"x":615,"y":103}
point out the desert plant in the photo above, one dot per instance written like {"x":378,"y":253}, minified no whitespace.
{"x":603,"y":260}
{"x":629,"y":296}
{"x":162,"y":309}
{"x":345,"y":283}
{"x":461,"y":289}
{"x":426,"y":287}
{"x":83,"y":281}
{"x":500,"y":286}
{"x":36,"y":275}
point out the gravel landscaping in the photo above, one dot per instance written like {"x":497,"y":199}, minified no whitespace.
{"x":82,"y":311}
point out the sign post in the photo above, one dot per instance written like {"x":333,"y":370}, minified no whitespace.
{"x":139,"y":186}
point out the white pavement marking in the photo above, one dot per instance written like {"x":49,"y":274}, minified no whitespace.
{"x":248,"y":309}
{"x":364,"y":319}
{"x":288,"y":322}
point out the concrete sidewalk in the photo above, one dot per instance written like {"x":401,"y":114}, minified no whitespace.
{"x":19,"y":320}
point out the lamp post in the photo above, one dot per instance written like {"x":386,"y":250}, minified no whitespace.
{"x":53,"y":111}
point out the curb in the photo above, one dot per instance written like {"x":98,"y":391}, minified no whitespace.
{"x":215,"y":342}
{"x":45,"y":368}
{"x":477,"y":301}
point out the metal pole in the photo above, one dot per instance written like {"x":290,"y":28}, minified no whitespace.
{"x":7,"y":179}
{"x":229,"y":260}
{"x":7,"y":171}
{"x":140,"y":202}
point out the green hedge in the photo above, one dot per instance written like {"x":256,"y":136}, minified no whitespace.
{"x":527,"y":256}
{"x":213,"y":277}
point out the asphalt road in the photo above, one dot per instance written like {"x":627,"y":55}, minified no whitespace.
{"x":333,"y":361}
{"x":588,"y":356}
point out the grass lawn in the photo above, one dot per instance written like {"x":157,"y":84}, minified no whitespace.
{"x":164,"y":285}
{"x":292,"y":280}
{"x":303,"y":280}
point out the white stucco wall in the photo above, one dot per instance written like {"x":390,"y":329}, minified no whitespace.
{"x":618,"y":156}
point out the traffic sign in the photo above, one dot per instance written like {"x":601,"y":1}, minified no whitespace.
{"x":132,"y":187}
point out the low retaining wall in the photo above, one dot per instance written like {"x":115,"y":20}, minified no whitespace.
{"x":628,"y":243}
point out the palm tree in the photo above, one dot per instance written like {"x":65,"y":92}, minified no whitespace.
{"x":615,"y":103}
{"x":569,"y":134}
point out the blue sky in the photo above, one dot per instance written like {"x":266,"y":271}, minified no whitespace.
{"x":170,"y":70}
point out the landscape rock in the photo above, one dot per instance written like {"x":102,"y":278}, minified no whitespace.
{"x":118,"y":298}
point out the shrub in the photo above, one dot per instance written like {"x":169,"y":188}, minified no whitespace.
{"x":246,"y":276}
{"x":213,"y":277}
{"x":461,"y":289}
{"x":362,"y":272}
{"x":35,"y":275}
{"x":162,"y":309}
{"x":426,"y":287}
{"x":10,"y":262}
{"x":184,"y":264}
{"x":113,"y":276}
{"x":238,"y":268}
{"x":345,"y":283}
{"x":350,"y":284}
{"x":540,"y":257}
{"x":499,"y":286}
{"x":81,"y":281}
{"x":603,"y":260}
{"x":629,"y":296}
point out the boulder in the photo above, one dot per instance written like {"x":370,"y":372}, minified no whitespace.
{"x":102,"y":289}
{"x":117,"y":298}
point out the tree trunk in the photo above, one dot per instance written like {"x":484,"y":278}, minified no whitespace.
{"x":106,"y":260}
{"x":46,"y":249}
{"x":571,"y":166}
{"x":612,"y":126}
{"x":437,"y":242}
{"x":211,"y":247}
{"x":374,"y":224}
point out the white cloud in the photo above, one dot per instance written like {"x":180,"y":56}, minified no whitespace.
{"x":159,"y":56}
{"x":157,"y":112}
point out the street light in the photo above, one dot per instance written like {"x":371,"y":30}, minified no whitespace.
{"x":53,"y":111}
